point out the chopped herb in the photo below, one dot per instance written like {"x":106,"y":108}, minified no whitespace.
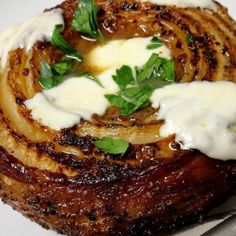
{"x":167,"y":71}
{"x":112,"y":146}
{"x":63,"y":67}
{"x":135,"y":93}
{"x":54,"y":75}
{"x":45,"y":70}
{"x":155,"y":43}
{"x":85,"y":20}
{"x":123,"y":77}
{"x":189,"y":38}
{"x":117,"y":101}
{"x":137,"y":70}
{"x":141,"y":100}
{"x":154,"y":62}
{"x":157,"y":68}
{"x":48,"y":80}
{"x":59,"y":41}
{"x":131,"y":92}
{"x":48,"y":83}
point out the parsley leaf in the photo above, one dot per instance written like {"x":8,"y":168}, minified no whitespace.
{"x":155,"y":43}
{"x":85,"y":20}
{"x":190,"y":38}
{"x":112,"y":146}
{"x":131,"y":92}
{"x":121,"y":103}
{"x":154,"y":62}
{"x":48,"y":80}
{"x":157,"y":68}
{"x":131,"y":99}
{"x":49,"y":83}
{"x":59,"y":41}
{"x":124,"y":77}
{"x":141,"y":100}
{"x":135,"y":93}
{"x":167,"y":71}
{"x":54,"y":75}
{"x":63,"y":67}
{"x":45,"y":70}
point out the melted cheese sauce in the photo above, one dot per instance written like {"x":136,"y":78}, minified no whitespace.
{"x":201,"y":114}
{"x":38,"y":28}
{"x":208,"y":4}
{"x":81,"y":97}
{"x":65,"y":105}
{"x":109,"y":57}
{"x":44,"y":111}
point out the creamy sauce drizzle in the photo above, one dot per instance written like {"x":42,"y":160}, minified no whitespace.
{"x":38,"y":28}
{"x":201,"y":114}
{"x":78,"y":98}
{"x":109,"y":57}
{"x":208,"y":4}
{"x":44,"y":111}
{"x":64,"y":106}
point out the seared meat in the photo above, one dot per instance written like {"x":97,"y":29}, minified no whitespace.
{"x":63,"y":182}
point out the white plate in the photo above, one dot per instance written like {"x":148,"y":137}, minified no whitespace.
{"x":11,"y":222}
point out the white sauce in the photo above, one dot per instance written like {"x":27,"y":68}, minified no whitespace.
{"x":201,"y":114}
{"x":48,"y":114}
{"x":208,"y":4}
{"x":38,"y":28}
{"x":64,"y":106}
{"x":82,"y":97}
{"x":114,"y":54}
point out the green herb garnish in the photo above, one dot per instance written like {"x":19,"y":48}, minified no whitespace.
{"x":150,"y":67}
{"x":85,"y":20}
{"x":133,"y":102}
{"x":48,"y":79}
{"x":155,"y":43}
{"x":112,"y":146}
{"x":123,"y":77}
{"x":45,"y":70}
{"x":125,"y":106}
{"x":52,"y":76}
{"x":189,"y":38}
{"x":167,"y":71}
{"x":135,"y":93}
{"x":59,"y":41}
{"x":63,"y":67}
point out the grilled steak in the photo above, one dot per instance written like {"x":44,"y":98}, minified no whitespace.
{"x":62,"y":181}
